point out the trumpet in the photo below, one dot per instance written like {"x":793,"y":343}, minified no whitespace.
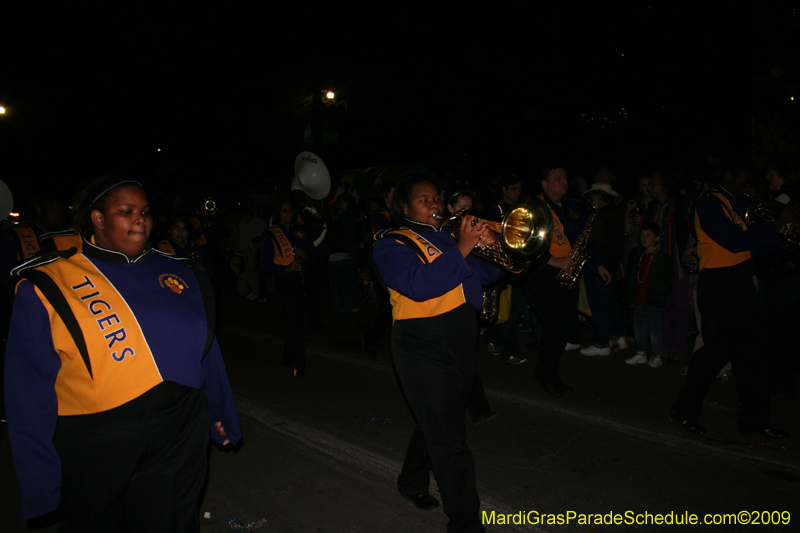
{"x":522,"y":237}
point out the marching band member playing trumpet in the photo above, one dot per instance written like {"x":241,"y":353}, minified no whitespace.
{"x":435,"y":288}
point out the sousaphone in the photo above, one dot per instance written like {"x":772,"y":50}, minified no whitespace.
{"x":6,"y":200}
{"x":311,"y":176}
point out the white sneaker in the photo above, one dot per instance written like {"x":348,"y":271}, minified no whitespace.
{"x":723,"y":374}
{"x":619,"y":344}
{"x":571,"y":346}
{"x":594,"y":350}
{"x":655,"y":362}
{"x":639,"y":359}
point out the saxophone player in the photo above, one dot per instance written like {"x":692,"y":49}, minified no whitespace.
{"x":553,"y":303}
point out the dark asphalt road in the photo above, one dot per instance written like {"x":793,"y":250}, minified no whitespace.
{"x":321,"y":453}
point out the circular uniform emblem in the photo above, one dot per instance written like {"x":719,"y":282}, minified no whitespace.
{"x":172,"y":282}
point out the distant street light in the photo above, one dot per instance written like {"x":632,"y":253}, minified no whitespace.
{"x":329,"y":99}
{"x":2,"y":110}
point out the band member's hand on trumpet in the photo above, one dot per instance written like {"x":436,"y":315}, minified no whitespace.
{"x":472,"y":233}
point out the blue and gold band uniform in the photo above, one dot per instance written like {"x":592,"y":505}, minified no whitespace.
{"x":728,"y":302}
{"x":710,"y":252}
{"x":379,"y":221}
{"x":60,"y":241}
{"x":97,"y":339}
{"x":278,"y":252}
{"x":19,"y":243}
{"x":436,"y":294}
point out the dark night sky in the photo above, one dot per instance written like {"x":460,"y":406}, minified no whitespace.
{"x":220,"y":88}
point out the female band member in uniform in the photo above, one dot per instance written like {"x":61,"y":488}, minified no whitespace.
{"x":178,"y":244}
{"x":286,"y":247}
{"x":113,"y":377}
{"x":435,"y":287}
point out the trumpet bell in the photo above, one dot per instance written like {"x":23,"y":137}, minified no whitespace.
{"x":767,"y":212}
{"x":762,"y":212}
{"x":526,"y":230}
{"x":523,"y":236}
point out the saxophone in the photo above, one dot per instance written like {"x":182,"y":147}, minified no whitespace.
{"x":579,"y":256}
{"x":490,"y":304}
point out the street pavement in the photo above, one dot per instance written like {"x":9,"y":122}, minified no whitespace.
{"x":321,"y":453}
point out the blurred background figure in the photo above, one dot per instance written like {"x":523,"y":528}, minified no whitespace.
{"x":341,"y":242}
{"x":251,"y":229}
{"x":778,"y":273}
{"x":608,"y":236}
{"x":178,"y":244}
{"x":286,"y":251}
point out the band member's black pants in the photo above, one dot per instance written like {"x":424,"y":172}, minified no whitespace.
{"x":137,"y":468}
{"x":728,"y":303}
{"x":435,"y":361}
{"x":556,"y":307}
{"x":291,"y":299}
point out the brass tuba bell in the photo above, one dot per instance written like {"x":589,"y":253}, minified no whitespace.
{"x":522,"y":237}
{"x":766,"y":211}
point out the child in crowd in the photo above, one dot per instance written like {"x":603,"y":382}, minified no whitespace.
{"x":649,"y":277}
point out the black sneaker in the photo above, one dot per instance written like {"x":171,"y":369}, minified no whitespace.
{"x":486,"y":418}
